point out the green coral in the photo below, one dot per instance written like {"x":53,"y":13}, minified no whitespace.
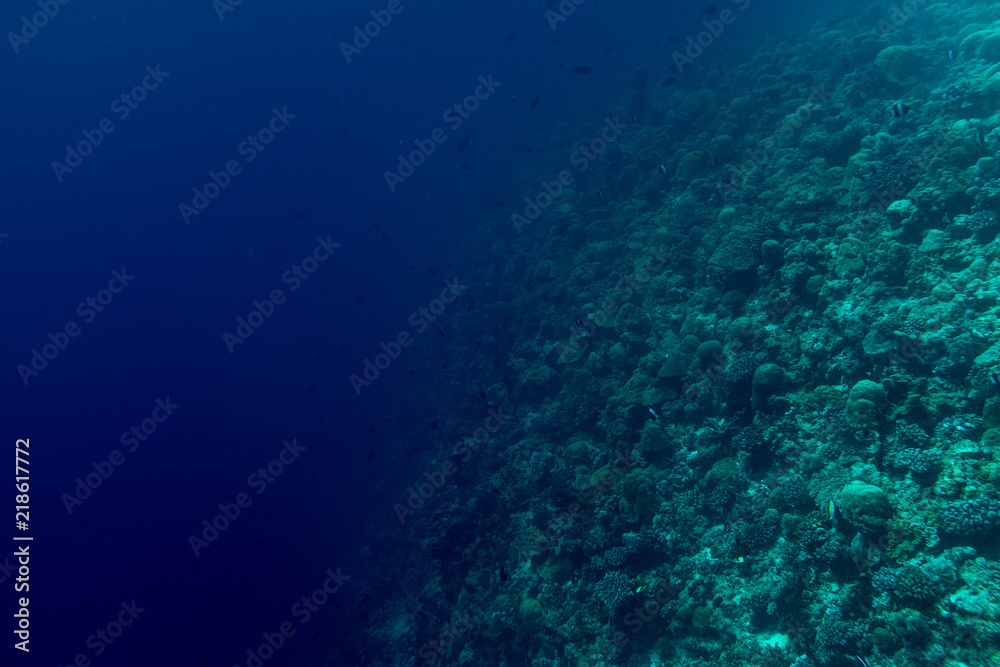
{"x":768,"y":380}
{"x":693,"y":165}
{"x":901,"y":64}
{"x":866,"y":403}
{"x":865,"y":506}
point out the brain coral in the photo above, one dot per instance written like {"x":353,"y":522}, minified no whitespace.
{"x":900,"y":64}
{"x":866,"y":507}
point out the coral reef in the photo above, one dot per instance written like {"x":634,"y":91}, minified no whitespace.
{"x":753,"y":420}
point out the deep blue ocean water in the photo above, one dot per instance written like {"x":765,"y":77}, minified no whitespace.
{"x":208,"y":79}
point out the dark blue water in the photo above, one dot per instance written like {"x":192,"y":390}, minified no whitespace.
{"x":111,"y":515}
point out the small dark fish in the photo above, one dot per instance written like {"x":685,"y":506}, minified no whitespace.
{"x":578,"y":322}
{"x":434,"y":425}
{"x":298,"y":215}
{"x":466,"y":166}
{"x":323,"y":290}
{"x":669,"y":80}
{"x":448,"y":264}
{"x":365,"y":599}
{"x":371,"y":428}
{"x":361,"y":299}
{"x":337,"y":605}
{"x":341,"y":348}
{"x":529,"y":149}
{"x":635,"y":119}
{"x":510,"y":36}
{"x":260,"y":543}
{"x":431,"y":271}
{"x":315,"y":635}
{"x":671,"y":38}
{"x":608,"y":49}
{"x":310,"y":389}
{"x":993,"y":388}
{"x":444,"y":365}
{"x":899,"y":109}
{"x":581,"y":69}
{"x":336,"y":102}
{"x":472,"y":304}
{"x":440,"y":332}
{"x":385,"y":237}
{"x":662,"y":169}
{"x":317,"y":357}
{"x":503,"y":574}
{"x":371,"y":455}
{"x":478,"y":344}
{"x":535,"y":101}
{"x":710,"y":10}
{"x":600,"y":193}
{"x":464,"y":143}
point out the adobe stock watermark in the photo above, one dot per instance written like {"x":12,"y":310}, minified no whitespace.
{"x":713,"y":30}
{"x":420,"y":320}
{"x":578,"y":337}
{"x":436,"y":649}
{"x":38,"y":20}
{"x":899,"y":15}
{"x":639,"y":616}
{"x":601,"y":483}
{"x":122,"y":106}
{"x":294,"y":278}
{"x":248,"y":149}
{"x":562,"y":12}
{"x":59,"y":341}
{"x":259,"y":481}
{"x":784,"y":130}
{"x":873,"y":213}
{"x":454,"y":116}
{"x":303,"y":610}
{"x":434,"y":480}
{"x":223,"y":7}
{"x":381,"y":18}
{"x":104,"y":637}
{"x":130,"y":439}
{"x":581,"y":158}
{"x":699,"y":382}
